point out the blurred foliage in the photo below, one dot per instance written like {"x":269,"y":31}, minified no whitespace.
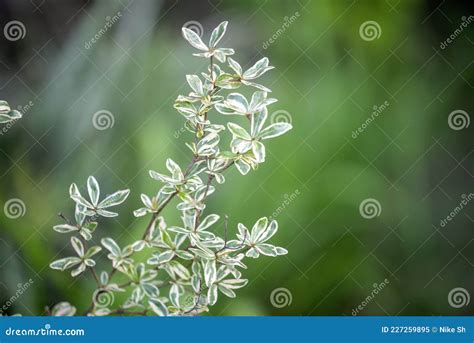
{"x":328,"y":80}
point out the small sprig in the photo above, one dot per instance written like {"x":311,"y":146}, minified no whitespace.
{"x":188,"y":264}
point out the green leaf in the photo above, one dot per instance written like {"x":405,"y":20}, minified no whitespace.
{"x":217,"y":34}
{"x":193,"y":39}
{"x":91,"y":226}
{"x":275,"y":130}
{"x":92,"y":251}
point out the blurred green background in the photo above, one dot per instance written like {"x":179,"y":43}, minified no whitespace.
{"x":329,"y":76}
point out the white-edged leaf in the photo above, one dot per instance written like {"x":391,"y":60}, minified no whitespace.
{"x":193,"y":39}
{"x":77,"y":197}
{"x":111,"y":246}
{"x":158,"y":307}
{"x":257,"y":69}
{"x":238,"y":131}
{"x":196,"y":84}
{"x":93,"y":189}
{"x":78,"y":246}
{"x":65,"y":263}
{"x":237,"y":102}
{"x":258,"y":150}
{"x":65,"y":228}
{"x":114,"y":199}
{"x":275,"y":130}
{"x":235,"y":66}
{"x":217,"y":34}
{"x":212,"y":295}
{"x":258,"y":229}
{"x":208,"y":221}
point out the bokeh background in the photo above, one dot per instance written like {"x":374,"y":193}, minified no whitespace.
{"x":413,"y":161}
